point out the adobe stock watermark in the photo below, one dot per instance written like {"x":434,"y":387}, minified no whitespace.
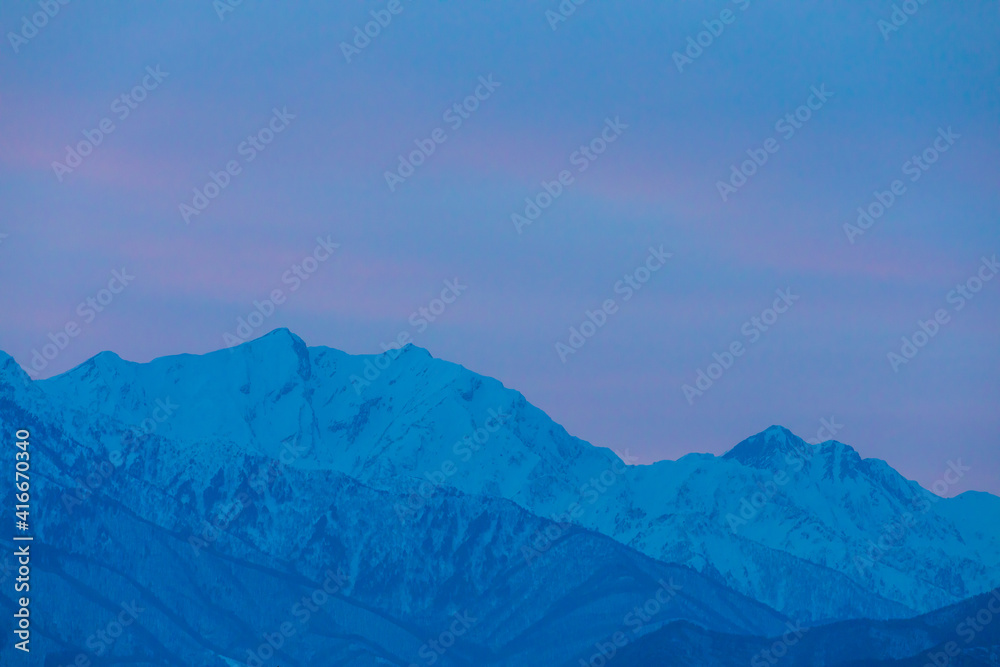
{"x":37,"y":21}
{"x":640,"y":617}
{"x":786,"y":126}
{"x":562,"y":12}
{"x":122,"y":107}
{"x":434,"y":649}
{"x":967,"y":629}
{"x":958,"y":298}
{"x":915,"y":167}
{"x":900,"y":15}
{"x":223,"y":7}
{"x":581,"y":158}
{"x":248,"y":149}
{"x":778,"y":649}
{"x":713,"y":30}
{"x":137,"y":435}
{"x":894,"y":532}
{"x":419,"y":320}
{"x":87,"y":310}
{"x":795,"y":460}
{"x":294,"y":277}
{"x":464,"y":450}
{"x":593,"y":321}
{"x":101,"y":640}
{"x":265,"y":477}
{"x":454,"y":116}
{"x":302,"y":611}
{"x":753,"y":329}
{"x":381,"y":18}
{"x":590,"y":492}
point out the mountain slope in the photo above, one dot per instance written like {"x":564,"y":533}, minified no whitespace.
{"x":214,"y":561}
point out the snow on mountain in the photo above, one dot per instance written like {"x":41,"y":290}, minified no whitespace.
{"x":814,"y":531}
{"x":215,"y":561}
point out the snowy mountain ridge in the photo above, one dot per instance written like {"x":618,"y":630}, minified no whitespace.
{"x":814,"y":531}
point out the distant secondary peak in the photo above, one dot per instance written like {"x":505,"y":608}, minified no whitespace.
{"x":410,"y":348}
{"x":275,"y":346}
{"x":278,"y":337}
{"x":762,"y":449}
{"x":281,"y":333}
{"x":10,"y":370}
{"x":96,"y":368}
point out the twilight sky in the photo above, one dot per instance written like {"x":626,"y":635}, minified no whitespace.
{"x":641,"y":139}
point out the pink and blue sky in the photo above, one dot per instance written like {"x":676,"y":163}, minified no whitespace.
{"x":324,"y":175}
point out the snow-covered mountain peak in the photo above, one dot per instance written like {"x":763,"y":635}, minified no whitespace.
{"x":769,"y":448}
{"x":276,"y":338}
{"x":102,"y":364}
{"x":279,"y":352}
{"x":92,"y":373}
{"x":10,"y":371}
{"x":410,"y":348}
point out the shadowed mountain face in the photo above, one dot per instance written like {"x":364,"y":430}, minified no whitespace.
{"x":414,"y":495}
{"x":964,"y":634}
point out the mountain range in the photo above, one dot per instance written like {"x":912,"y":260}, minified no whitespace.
{"x":443,"y":519}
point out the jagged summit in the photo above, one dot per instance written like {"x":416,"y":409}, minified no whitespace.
{"x":280,"y":337}
{"x":285,"y":336}
{"x":410,"y":348}
{"x":280,"y":332}
{"x":101,"y":362}
{"x":275,"y":344}
{"x":11,"y":372}
{"x":769,"y":446}
{"x":776,"y":449}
